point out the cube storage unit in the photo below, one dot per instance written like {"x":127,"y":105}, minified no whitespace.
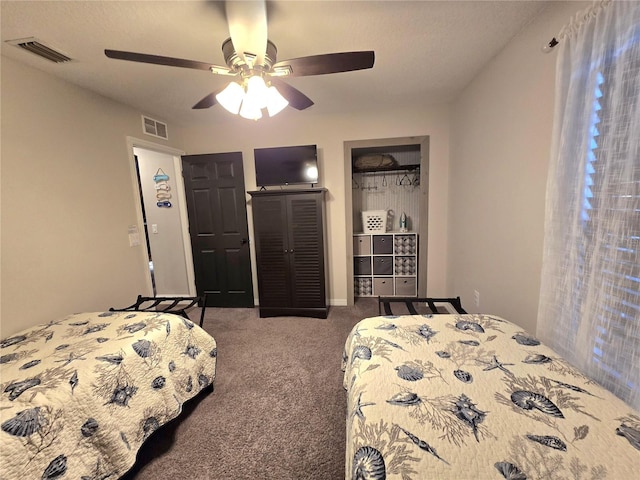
{"x":385,"y":264}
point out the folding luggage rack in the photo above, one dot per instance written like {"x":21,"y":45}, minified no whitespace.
{"x":175,"y":305}
{"x":384,"y":303}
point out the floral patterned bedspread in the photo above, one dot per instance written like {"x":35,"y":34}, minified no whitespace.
{"x":475,"y":397}
{"x":79,"y":396}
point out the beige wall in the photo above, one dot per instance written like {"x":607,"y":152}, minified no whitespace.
{"x":501,"y":137}
{"x":330,"y":133}
{"x":67,"y":200}
{"x":67,"y":195}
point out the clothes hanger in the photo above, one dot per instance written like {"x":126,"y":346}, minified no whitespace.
{"x":405,"y":181}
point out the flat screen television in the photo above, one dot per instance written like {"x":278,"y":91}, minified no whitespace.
{"x":286,"y":165}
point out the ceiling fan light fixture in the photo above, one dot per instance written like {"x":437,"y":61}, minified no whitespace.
{"x":231,"y":97}
{"x":275,"y":101}
{"x":250,"y":110}
{"x":256,"y":91}
{"x":249,"y":98}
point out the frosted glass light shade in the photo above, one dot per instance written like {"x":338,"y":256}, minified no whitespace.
{"x":275,"y":101}
{"x":250,"y":100}
{"x":256,"y":91}
{"x":231,"y":97}
{"x":250,"y":109}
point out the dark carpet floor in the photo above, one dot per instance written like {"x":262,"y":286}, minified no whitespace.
{"x":278,"y":406}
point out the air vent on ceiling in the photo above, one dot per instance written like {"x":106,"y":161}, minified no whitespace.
{"x":34,"y":45}
{"x":154,"y":127}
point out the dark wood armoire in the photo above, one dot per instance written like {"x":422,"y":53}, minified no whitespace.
{"x":289,"y":232}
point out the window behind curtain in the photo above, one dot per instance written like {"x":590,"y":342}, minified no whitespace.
{"x":589,"y":309}
{"x":611,"y":196}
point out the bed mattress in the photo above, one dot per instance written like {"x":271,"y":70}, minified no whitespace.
{"x":476,"y":397}
{"x":80,"y":395}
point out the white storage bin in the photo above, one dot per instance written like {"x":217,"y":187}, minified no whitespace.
{"x":374,"y":221}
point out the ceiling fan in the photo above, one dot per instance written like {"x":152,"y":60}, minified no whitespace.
{"x":251,"y":59}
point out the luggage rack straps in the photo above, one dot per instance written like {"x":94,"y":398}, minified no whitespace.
{"x":385,"y":303}
{"x":175,"y":305}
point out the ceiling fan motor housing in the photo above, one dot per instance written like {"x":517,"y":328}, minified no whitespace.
{"x":235,"y":62}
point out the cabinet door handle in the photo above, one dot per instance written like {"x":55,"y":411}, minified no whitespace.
{"x":286,"y":251}
{"x":291,"y":251}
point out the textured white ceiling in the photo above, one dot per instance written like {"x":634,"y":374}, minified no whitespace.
{"x":426,"y":51}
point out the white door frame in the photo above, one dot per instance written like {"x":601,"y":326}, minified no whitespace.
{"x":132,"y":143}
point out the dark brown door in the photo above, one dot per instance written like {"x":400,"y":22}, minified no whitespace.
{"x":214,"y":186}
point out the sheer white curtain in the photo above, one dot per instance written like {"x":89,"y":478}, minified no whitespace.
{"x":590,"y":287}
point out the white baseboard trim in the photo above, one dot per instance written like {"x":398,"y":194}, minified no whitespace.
{"x":338,"y":302}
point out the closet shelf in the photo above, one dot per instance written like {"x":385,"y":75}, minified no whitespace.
{"x":396,"y":168}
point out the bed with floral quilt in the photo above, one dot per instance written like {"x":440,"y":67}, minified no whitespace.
{"x":476,"y":397}
{"x":79,"y":396}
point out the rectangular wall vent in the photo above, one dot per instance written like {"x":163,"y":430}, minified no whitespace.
{"x":154,"y":128}
{"x":34,"y":45}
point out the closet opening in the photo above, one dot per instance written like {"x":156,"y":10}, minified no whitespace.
{"x":387,"y":208}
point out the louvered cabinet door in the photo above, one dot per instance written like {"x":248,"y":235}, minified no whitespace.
{"x":272,"y":252}
{"x":306,"y":249}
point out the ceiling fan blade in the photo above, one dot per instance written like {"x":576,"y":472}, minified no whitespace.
{"x":295,"y":97}
{"x":247,"y":22}
{"x":206,"y":102}
{"x":327,"y":63}
{"x":167,"y":61}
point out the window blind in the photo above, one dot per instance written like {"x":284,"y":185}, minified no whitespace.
{"x":611,"y":197}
